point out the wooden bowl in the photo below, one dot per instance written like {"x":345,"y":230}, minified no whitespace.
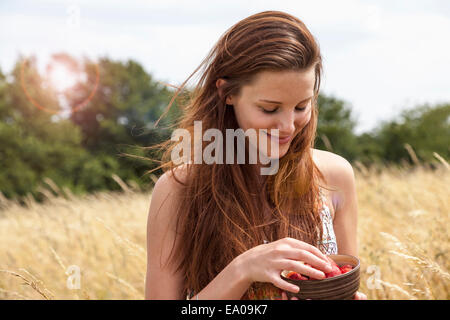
{"x":341,"y":287}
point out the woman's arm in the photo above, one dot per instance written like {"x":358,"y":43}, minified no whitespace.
{"x":346,"y":213}
{"x":229,"y":284}
{"x":339,"y":176}
{"x":161,"y":281}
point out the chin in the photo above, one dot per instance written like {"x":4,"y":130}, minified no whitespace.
{"x":282,"y":152}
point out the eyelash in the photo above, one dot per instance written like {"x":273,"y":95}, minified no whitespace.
{"x":273,"y":111}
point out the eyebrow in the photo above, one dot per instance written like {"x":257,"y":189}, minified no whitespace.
{"x":278,"y":102}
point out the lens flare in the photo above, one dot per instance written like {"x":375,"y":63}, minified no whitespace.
{"x":61,"y":77}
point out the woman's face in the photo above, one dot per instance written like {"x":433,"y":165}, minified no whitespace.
{"x":275,"y":100}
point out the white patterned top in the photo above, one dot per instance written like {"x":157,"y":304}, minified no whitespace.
{"x":328,"y":245}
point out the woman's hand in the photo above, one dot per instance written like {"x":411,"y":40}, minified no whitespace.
{"x":265,"y":262}
{"x":359,"y":296}
{"x":284,"y":297}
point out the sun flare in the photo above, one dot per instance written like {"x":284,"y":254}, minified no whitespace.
{"x":61,"y":77}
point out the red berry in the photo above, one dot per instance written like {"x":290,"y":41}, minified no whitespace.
{"x":296,"y":276}
{"x":335,"y":271}
{"x":293,"y":275}
{"x":346,"y":268}
{"x":331,"y":261}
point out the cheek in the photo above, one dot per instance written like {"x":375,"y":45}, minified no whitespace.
{"x":241,"y":118}
{"x":303,"y":120}
{"x":248,"y":118}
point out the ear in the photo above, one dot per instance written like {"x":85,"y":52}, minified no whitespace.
{"x":219,"y":83}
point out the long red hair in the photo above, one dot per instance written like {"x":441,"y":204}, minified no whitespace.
{"x":222,"y":211}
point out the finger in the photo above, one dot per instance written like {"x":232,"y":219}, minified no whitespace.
{"x":300,"y":267}
{"x":360,"y":296}
{"x":315,"y":251}
{"x":284,"y":285}
{"x":308,"y":257}
{"x":306,"y":246}
{"x":285,"y":297}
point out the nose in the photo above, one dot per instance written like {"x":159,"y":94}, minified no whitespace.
{"x":286,"y":123}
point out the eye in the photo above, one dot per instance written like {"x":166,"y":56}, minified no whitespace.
{"x":274,"y":110}
{"x":300,"y":109}
{"x":269,"y":111}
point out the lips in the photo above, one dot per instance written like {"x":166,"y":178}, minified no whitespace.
{"x":281,"y":140}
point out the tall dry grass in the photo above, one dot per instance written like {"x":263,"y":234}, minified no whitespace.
{"x":402,"y":229}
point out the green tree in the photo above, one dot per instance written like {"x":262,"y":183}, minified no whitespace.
{"x":335,"y":128}
{"x":370,"y":150}
{"x":35,"y":146}
{"x":122,"y":113}
{"x":425,"y":128}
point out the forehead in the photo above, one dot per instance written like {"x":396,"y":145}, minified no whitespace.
{"x":282,"y":85}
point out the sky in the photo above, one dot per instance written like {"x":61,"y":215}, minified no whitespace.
{"x":380,"y":57}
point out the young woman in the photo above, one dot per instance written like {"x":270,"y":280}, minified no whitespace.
{"x":224,"y":230}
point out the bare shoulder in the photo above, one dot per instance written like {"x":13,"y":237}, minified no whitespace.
{"x":333,"y":166}
{"x":339,"y":176}
{"x":163,"y":282}
{"x":170,"y":180}
{"x":166,"y":193}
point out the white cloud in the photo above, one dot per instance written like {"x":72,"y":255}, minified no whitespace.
{"x":405,"y":64}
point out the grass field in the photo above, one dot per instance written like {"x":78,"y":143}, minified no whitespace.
{"x":402,"y":228}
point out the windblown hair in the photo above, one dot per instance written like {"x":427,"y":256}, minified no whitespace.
{"x":221,"y":214}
